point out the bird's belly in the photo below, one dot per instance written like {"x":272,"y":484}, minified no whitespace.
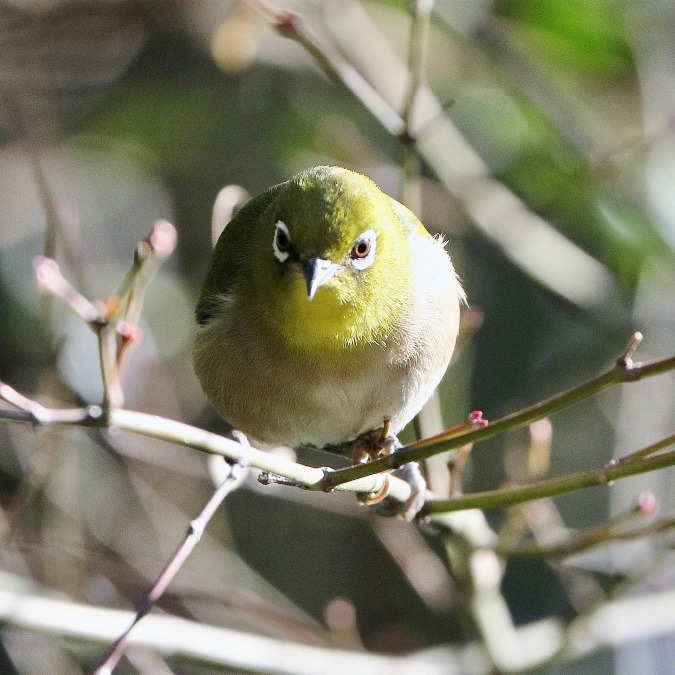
{"x":313,"y":405}
{"x":340,"y":413}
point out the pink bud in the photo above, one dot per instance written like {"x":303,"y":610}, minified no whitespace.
{"x":287,"y":24}
{"x":476,"y":420}
{"x":47,"y":272}
{"x":129,"y":332}
{"x":163,"y":238}
{"x":647,"y":503}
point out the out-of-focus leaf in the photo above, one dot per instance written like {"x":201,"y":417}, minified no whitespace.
{"x":604,"y":223}
{"x":585,"y":35}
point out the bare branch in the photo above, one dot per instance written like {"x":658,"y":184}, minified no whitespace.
{"x":50,"y":280}
{"x":149,"y":255}
{"x":626,"y":526}
{"x":620,"y":622}
{"x":623,"y":371}
{"x":192,"y":537}
{"x":35,"y":413}
{"x":333,"y":64}
{"x":417,"y":56}
{"x":184,"y":434}
{"x":490,"y":499}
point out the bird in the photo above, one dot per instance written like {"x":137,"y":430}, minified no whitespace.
{"x":326,"y":308}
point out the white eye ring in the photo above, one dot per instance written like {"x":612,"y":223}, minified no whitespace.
{"x":281,"y":243}
{"x":362,"y":254}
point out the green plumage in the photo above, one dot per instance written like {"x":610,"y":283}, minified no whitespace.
{"x":230,"y":252}
{"x":290,"y":365}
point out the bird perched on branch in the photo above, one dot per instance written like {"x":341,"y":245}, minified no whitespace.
{"x":327,"y":307}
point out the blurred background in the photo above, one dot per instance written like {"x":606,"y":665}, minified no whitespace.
{"x":547,"y":137}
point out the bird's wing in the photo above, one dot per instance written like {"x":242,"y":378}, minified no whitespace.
{"x":230,"y":252}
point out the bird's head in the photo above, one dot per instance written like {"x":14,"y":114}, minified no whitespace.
{"x":334,"y":260}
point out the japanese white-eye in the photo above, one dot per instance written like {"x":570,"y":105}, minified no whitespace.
{"x":327,"y":307}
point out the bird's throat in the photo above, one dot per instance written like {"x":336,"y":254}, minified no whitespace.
{"x":333,"y":321}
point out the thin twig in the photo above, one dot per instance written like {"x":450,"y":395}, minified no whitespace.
{"x":333,"y":64}
{"x":113,"y":395}
{"x":492,"y":499}
{"x":645,"y":452}
{"x":50,"y":280}
{"x":456,"y":467}
{"x":149,"y":255}
{"x":607,"y":532}
{"x":115,"y":321}
{"x":623,"y":371}
{"x":192,"y":537}
{"x":417,"y":57}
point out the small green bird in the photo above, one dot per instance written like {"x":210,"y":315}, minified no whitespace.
{"x":326,"y":307}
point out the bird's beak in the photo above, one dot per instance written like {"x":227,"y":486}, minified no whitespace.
{"x":317,"y":271}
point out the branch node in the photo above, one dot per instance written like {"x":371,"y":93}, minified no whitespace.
{"x":110,"y":307}
{"x":326,"y":473}
{"x":604,"y":479}
{"x":287,"y":24}
{"x":407,"y":139}
{"x":625,"y":361}
{"x":267,"y":478}
{"x":94,"y":412}
{"x":196,"y":528}
{"x":143,"y":251}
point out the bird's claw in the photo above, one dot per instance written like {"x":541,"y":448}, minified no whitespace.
{"x":407,"y":510}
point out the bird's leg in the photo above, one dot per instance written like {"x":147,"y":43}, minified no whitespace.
{"x":379,"y":443}
{"x":412,"y":475}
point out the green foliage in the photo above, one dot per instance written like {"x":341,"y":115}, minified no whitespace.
{"x":587,"y":36}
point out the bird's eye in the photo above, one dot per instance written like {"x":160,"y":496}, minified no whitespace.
{"x":363,"y":250}
{"x":281,"y":244}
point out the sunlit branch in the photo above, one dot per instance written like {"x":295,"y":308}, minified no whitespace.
{"x":552,"y":487}
{"x":184,"y":434}
{"x":291,"y":25}
{"x":624,"y":371}
{"x":625,"y":527}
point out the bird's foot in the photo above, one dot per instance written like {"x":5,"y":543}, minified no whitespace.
{"x":374,"y":444}
{"x":411,"y":474}
{"x":380,"y":443}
